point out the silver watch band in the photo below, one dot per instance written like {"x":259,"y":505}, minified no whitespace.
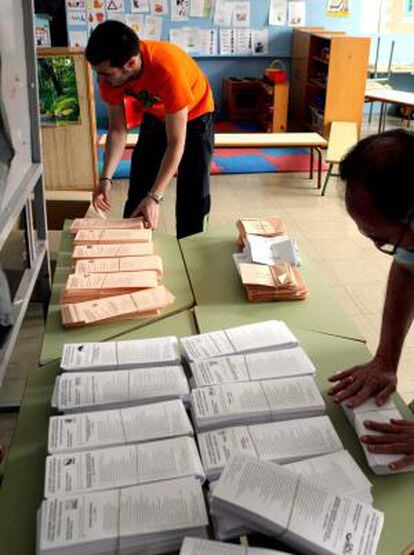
{"x":155,"y":196}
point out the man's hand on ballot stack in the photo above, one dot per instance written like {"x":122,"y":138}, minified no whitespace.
{"x":149,"y":209}
{"x":100,"y":196}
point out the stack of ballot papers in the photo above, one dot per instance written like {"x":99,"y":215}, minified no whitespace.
{"x":279,"y":442}
{"x":108,"y":428}
{"x":116,"y":265}
{"x":271,"y":250}
{"x":378,"y":462}
{"x":108,"y":236}
{"x":269,"y":227}
{"x":116,"y":250}
{"x":80,"y":391}
{"x":118,"y":467}
{"x":336,"y":472}
{"x":148,"y":519}
{"x":281,"y":282}
{"x":195,"y":546}
{"x":261,"y":336}
{"x":123,"y":355}
{"x":277,"y":501}
{"x":287,"y":363}
{"x":100,"y":223}
{"x":87,"y":287}
{"x":236,"y":404}
{"x":141,"y":304}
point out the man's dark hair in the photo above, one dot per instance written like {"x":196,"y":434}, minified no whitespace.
{"x":384,"y":165}
{"x":113,"y":41}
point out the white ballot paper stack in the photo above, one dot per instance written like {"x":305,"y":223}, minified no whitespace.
{"x":236,"y":404}
{"x":80,"y":391}
{"x":112,"y":355}
{"x":333,"y":472}
{"x":118,"y":467}
{"x":195,"y":546}
{"x":378,"y":462}
{"x":114,"y":250}
{"x":93,"y":430}
{"x":271,"y":250}
{"x":252,"y":367}
{"x":271,"y":335}
{"x":146,"y":519}
{"x":279,"y":442}
{"x":276,"y":501}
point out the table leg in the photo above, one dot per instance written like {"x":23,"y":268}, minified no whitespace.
{"x":328,"y":175}
{"x":319,"y":151}
{"x":311,"y":162}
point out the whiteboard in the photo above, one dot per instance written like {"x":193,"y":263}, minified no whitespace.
{"x":14,"y":91}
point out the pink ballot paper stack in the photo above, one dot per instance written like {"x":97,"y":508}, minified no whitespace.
{"x":116,"y":273}
{"x":268,"y":262}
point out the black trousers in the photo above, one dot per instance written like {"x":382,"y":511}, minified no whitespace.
{"x":193,"y":178}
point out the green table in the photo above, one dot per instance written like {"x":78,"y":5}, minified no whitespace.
{"x":22,"y":489}
{"x":175,"y":278}
{"x":219,"y":293}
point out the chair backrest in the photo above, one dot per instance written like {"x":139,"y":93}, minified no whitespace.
{"x":343,"y":136}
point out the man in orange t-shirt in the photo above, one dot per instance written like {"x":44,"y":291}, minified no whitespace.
{"x":176,"y":134}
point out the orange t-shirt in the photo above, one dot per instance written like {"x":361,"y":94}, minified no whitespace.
{"x":170,"y":80}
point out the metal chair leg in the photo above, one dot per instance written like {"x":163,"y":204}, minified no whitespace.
{"x":328,"y":175}
{"x":319,"y":151}
{"x":311,"y":163}
{"x":371,"y":107}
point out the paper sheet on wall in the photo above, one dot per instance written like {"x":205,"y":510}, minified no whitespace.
{"x":296,"y":14}
{"x":153,"y":27}
{"x":260,"y":41}
{"x":95,"y":5}
{"x":241,"y":14}
{"x":114,"y":6}
{"x":139,"y":6}
{"x":223,"y":14}
{"x":244,"y":41}
{"x":278,"y":12}
{"x":77,"y":17}
{"x":208,"y":41}
{"x":180,"y":10}
{"x":78,"y":38}
{"x":136,"y":22}
{"x":201,"y":8}
{"x":338,"y":8}
{"x":191,"y":37}
{"x":227,"y":41}
{"x":177,"y":37}
{"x":117,"y":17}
{"x":159,"y":7}
{"x":94,"y":19}
{"x":76,"y":5}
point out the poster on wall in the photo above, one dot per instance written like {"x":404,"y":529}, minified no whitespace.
{"x":75,"y":5}
{"x":296,"y":14}
{"x":338,"y":8}
{"x":136,"y":22}
{"x":153,"y":27}
{"x":208,"y":41}
{"x":223,"y":14}
{"x":278,"y":12}
{"x":201,"y":8}
{"x":115,"y":6}
{"x":159,"y":7}
{"x":78,"y":38}
{"x":241,"y":14}
{"x":180,"y":10}
{"x":58,"y":91}
{"x":140,"y":6}
{"x":260,"y":41}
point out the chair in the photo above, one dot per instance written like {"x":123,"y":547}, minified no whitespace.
{"x":343,"y":136}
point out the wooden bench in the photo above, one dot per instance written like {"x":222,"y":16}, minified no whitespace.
{"x":343,"y":136}
{"x":312,"y":141}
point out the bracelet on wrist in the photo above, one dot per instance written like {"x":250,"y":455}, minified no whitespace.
{"x":157,"y":197}
{"x":105,"y":179}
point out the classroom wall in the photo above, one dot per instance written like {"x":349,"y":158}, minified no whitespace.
{"x":216,"y":68}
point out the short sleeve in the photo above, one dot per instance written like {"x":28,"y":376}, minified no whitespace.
{"x":176,"y":90}
{"x":111,"y":95}
{"x":403,"y":256}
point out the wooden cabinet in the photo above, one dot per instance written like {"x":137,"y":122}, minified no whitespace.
{"x":256,"y":100}
{"x":328,"y":78}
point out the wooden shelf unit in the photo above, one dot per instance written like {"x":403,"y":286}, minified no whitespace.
{"x":328,"y":78}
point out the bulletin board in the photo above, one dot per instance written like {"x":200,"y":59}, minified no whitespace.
{"x":203,"y":28}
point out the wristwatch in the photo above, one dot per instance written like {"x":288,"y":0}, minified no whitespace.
{"x":157,"y":197}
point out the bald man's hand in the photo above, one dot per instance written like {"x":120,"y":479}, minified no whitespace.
{"x":358,"y":384}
